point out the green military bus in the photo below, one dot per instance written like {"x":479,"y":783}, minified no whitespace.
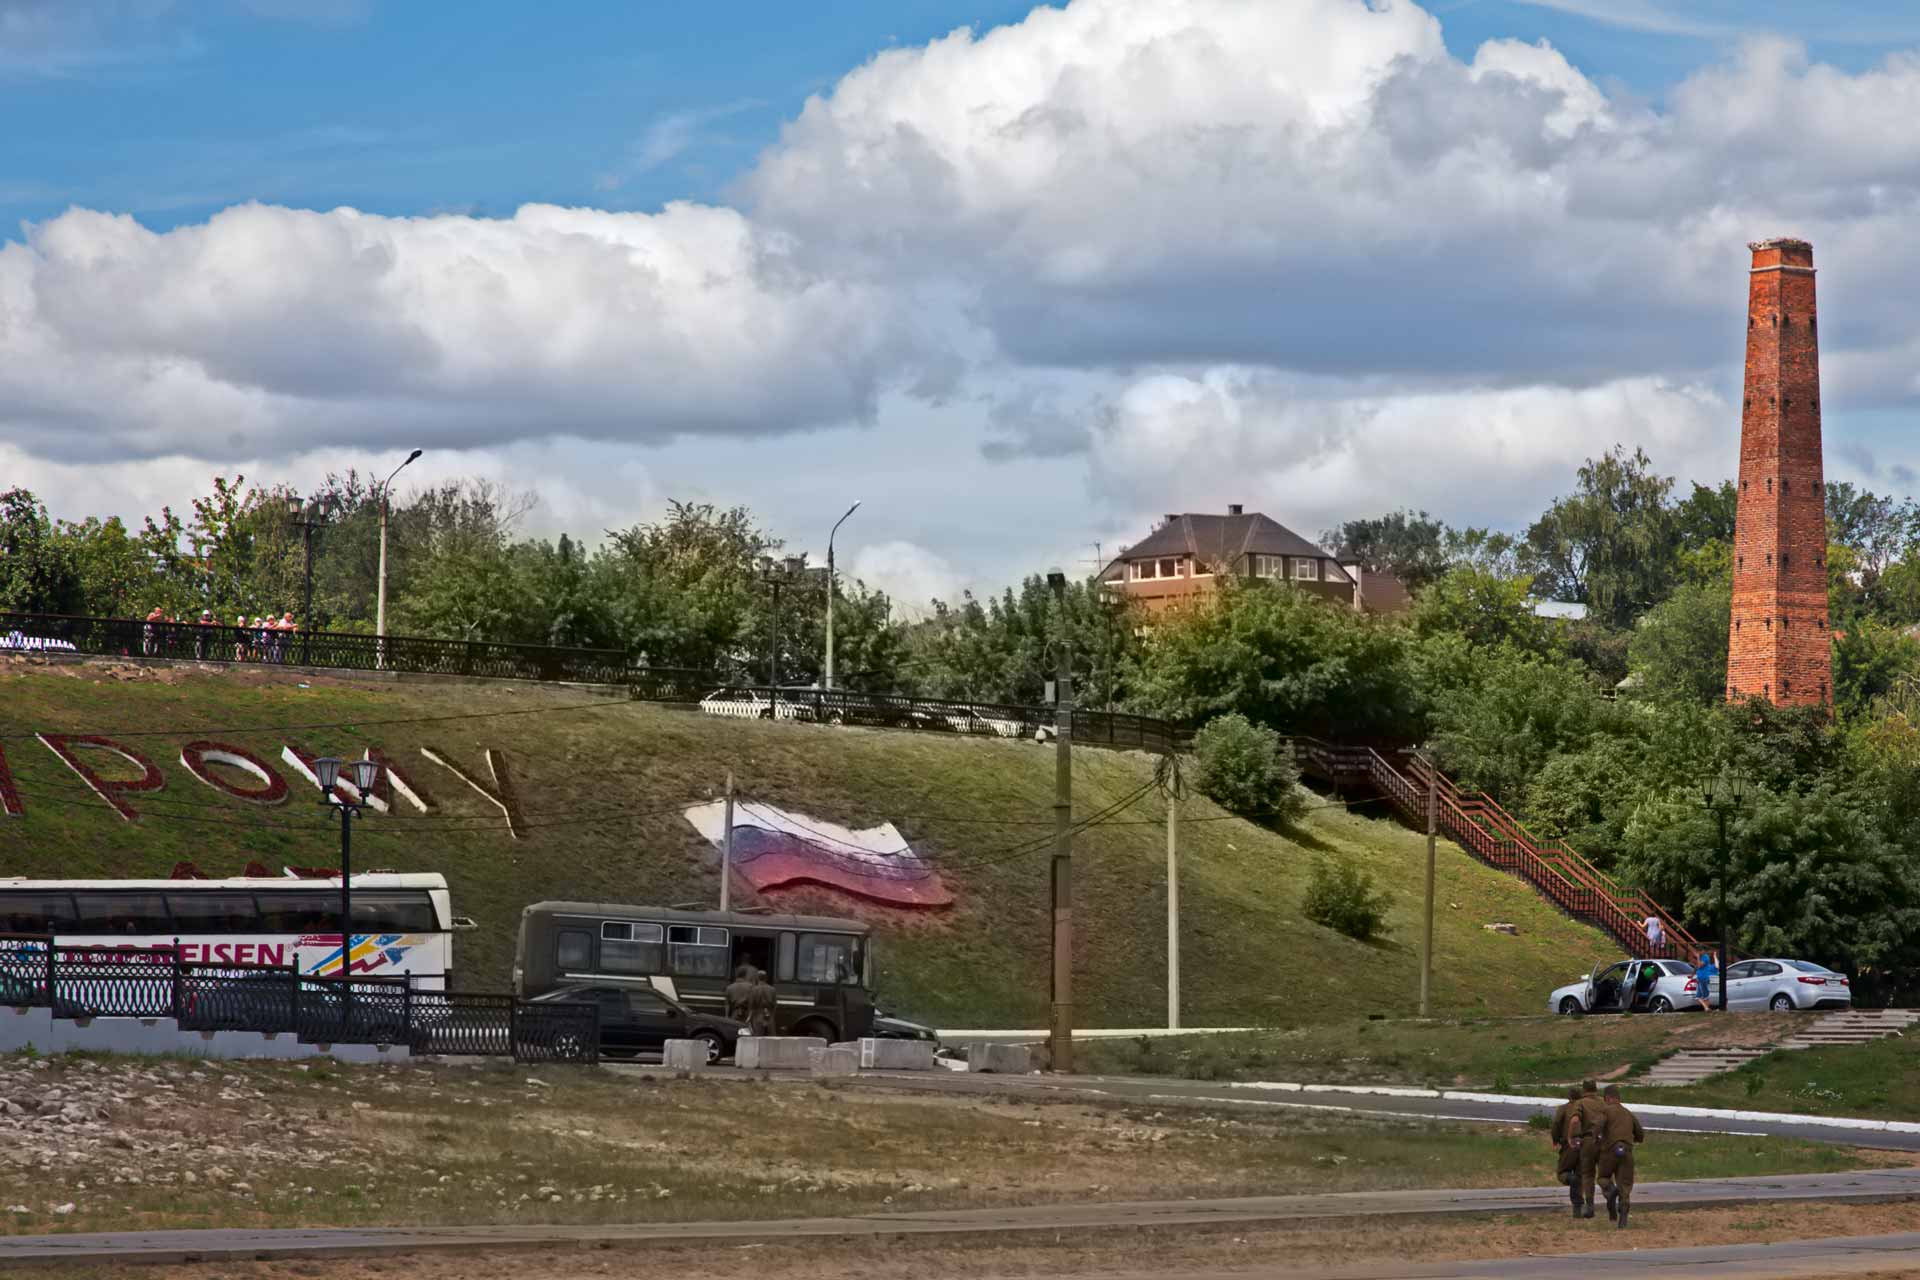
{"x":820,"y":967}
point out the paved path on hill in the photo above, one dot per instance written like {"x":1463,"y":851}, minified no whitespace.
{"x":1470,"y":1108}
{"x":229,"y":1244}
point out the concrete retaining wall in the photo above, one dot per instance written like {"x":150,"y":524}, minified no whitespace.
{"x":684,"y":1055}
{"x":837,"y":1060}
{"x":775,"y":1053}
{"x":897,"y":1055}
{"x":39,"y":1030}
{"x":1003,"y":1059}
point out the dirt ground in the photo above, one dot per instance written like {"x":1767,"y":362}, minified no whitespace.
{"x":1272,"y":1252}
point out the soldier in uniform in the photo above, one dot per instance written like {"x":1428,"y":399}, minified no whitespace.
{"x":761,"y":1004}
{"x":1620,"y":1130}
{"x":1567,"y":1171}
{"x":740,"y":994}
{"x":1585,"y":1123}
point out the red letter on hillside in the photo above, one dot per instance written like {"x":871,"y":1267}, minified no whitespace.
{"x":9,"y":794}
{"x":65,"y":746}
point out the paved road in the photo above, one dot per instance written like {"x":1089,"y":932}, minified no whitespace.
{"x":1854,"y":1255}
{"x":1190,"y":1092}
{"x":207,"y":1246}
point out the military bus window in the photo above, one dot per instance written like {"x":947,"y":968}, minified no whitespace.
{"x":393,"y":911}
{"x":697,"y":951}
{"x":37,"y":912}
{"x":122,"y":913}
{"x":213,"y":912}
{"x":828,"y":957}
{"x":628,"y":947}
{"x":783,"y":968}
{"x":574,"y":949}
{"x":298,"y":911}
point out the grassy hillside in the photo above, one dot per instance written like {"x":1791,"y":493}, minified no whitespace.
{"x":601,"y":790}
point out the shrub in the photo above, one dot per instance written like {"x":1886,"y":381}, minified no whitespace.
{"x":1342,"y":897}
{"x":1244,"y":769}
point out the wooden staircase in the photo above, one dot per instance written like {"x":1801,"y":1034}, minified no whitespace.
{"x":1480,"y":826}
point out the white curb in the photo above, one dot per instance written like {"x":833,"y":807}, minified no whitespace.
{"x":1645,"y":1109}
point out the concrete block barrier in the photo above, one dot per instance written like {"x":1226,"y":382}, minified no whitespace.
{"x":897,"y":1055}
{"x":837,"y":1060}
{"x":775,"y":1053}
{"x":685,"y":1055}
{"x":1002,"y":1059}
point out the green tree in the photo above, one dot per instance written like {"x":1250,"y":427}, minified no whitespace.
{"x":1280,"y":657}
{"x":1244,"y":768}
{"x":1869,"y":658}
{"x":117,"y":575}
{"x":996,"y":650}
{"x":1679,"y":650}
{"x":37,"y":571}
{"x":1499,"y":715}
{"x":1611,"y":544}
{"x":1486,"y":609}
{"x":1411,"y":545}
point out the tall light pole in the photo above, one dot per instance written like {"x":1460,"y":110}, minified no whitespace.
{"x":1722,"y":796}
{"x":363,"y":774}
{"x":380,"y":607}
{"x":836,"y":529}
{"x":306,"y":517}
{"x":1060,"y":1033}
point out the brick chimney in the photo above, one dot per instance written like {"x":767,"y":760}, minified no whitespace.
{"x":1234,"y":509}
{"x":1779,"y":648}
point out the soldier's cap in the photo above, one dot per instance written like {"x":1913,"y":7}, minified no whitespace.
{"x":1613,"y":1091}
{"x":1573,"y":1093}
{"x":1588,"y":1086}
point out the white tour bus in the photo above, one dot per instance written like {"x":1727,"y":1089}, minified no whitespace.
{"x":402,"y":924}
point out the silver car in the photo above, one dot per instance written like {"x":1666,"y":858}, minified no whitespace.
{"x":1784,"y":986}
{"x":1630,"y":986}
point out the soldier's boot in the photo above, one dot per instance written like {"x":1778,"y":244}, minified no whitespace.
{"x":1573,"y":1194}
{"x":1622,"y":1221}
{"x":1613,"y":1204}
{"x":1586,"y":1209}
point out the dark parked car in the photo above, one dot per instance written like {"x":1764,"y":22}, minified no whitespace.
{"x":888,"y":1027}
{"x":636,"y":1020}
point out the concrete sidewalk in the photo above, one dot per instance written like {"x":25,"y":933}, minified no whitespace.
{"x":245,"y":1244}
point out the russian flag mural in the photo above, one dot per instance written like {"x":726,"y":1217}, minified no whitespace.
{"x":774,"y":849}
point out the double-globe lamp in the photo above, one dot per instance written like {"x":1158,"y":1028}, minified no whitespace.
{"x":362,"y":775}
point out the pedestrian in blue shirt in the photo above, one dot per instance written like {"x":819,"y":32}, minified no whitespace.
{"x":1705,"y":973}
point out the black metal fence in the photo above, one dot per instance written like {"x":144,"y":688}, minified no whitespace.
{"x":714,"y":693}
{"x":90,"y":982}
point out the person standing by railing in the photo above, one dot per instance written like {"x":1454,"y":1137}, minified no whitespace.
{"x":287,"y":629}
{"x":147,"y":639}
{"x":200,"y":638}
{"x":1656,"y":935}
{"x":240,"y":638}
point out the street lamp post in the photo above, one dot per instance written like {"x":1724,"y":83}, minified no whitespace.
{"x":836,"y":529}
{"x":306,"y":518}
{"x":1721,"y":796}
{"x":777,"y":574}
{"x":363,"y":774}
{"x":1060,"y":1027}
{"x":380,"y":606}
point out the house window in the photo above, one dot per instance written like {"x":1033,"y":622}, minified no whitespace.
{"x":1143,"y":568}
{"x":1169,"y":568}
{"x":1305,"y":570}
{"x":1200,"y":569}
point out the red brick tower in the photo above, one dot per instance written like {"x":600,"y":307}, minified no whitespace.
{"x":1779,"y":648}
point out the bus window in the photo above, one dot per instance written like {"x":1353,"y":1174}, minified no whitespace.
{"x":213,"y":912}
{"x":829,"y":957}
{"x":574,"y":950}
{"x":785,"y":966}
{"x":627,"y":947}
{"x":36,"y":912}
{"x":697,"y":952}
{"x":122,"y":913}
{"x":390,"y":912}
{"x":299,"y":911}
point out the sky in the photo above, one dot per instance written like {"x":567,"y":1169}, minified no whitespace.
{"x":1019,"y":280}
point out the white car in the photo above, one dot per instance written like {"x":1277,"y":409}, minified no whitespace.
{"x":1630,"y":986}
{"x":1784,"y":986}
{"x":752,"y":704}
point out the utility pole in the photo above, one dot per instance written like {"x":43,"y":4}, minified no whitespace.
{"x":1433,"y":828}
{"x":1173,"y":892}
{"x":726,"y":852}
{"x":1060,"y":1040}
